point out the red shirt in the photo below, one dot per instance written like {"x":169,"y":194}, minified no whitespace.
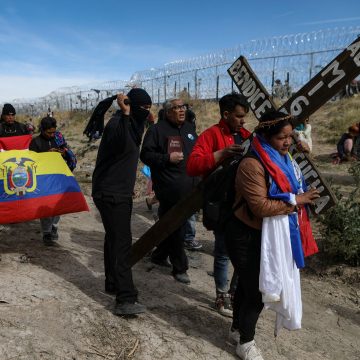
{"x":201,"y":160}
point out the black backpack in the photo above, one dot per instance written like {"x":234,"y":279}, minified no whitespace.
{"x":219,"y":194}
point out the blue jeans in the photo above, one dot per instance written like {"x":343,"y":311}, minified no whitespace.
{"x":190,"y":228}
{"x":221,"y":262}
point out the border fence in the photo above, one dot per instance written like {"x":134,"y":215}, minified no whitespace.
{"x":293,"y":59}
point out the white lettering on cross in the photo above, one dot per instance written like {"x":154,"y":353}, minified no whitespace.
{"x":250,"y":89}
{"x":339,"y":73}
{"x":315,"y":88}
{"x":246,"y":79}
{"x":254,"y":98}
{"x":357,"y":59}
{"x":297,"y":154}
{"x":355,"y":53}
{"x":312,"y":173}
{"x":295,"y":107}
{"x":315,"y":183}
{"x":235,"y":67}
{"x":302,"y":164}
{"x":306,"y":170}
{"x":241,"y":75}
{"x":320,"y":203}
{"x":262,"y":108}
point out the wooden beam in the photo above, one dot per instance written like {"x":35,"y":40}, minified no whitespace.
{"x":322,"y":87}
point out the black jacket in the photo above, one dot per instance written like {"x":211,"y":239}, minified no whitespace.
{"x":14,"y":129}
{"x":170,"y":180}
{"x":41,"y":144}
{"x":115,"y":170}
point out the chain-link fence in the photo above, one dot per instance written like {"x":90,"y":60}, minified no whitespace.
{"x":293,"y":59}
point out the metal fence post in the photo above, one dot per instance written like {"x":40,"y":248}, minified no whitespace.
{"x":196,"y":85}
{"x":311,"y":65}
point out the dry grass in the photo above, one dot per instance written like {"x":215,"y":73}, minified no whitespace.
{"x":334,"y":118}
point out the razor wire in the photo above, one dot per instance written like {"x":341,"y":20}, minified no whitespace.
{"x":293,"y":58}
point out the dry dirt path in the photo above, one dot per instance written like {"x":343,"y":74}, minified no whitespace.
{"x":52,"y":304}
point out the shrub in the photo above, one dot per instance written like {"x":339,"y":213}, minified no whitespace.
{"x":341,"y":239}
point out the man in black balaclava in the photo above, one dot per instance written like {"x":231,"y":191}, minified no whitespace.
{"x":8,"y":125}
{"x":113,"y":184}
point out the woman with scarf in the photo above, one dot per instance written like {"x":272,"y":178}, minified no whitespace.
{"x":267,"y":232}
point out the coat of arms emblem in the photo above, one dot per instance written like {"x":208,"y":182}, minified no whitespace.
{"x":19,"y":176}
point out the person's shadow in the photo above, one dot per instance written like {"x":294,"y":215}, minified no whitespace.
{"x":63,"y":260}
{"x":188,"y":310}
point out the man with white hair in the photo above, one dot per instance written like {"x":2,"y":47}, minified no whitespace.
{"x":165,"y":150}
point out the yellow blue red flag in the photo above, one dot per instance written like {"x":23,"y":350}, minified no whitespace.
{"x":36,"y":185}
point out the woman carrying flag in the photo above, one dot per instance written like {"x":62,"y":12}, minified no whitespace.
{"x":269,"y":233}
{"x":51,"y":140}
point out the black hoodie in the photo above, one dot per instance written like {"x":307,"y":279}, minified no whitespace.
{"x":115,"y":170}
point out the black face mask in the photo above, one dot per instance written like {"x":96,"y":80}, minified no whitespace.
{"x":139,"y":113}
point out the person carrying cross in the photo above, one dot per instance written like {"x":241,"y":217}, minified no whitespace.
{"x":213,"y":146}
{"x":272,"y":195}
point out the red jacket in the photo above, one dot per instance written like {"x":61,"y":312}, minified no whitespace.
{"x":201,"y":160}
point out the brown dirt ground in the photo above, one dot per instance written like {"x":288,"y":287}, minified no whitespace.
{"x":53,"y":306}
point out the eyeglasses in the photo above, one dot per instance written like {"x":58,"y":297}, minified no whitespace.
{"x":178,"y":107}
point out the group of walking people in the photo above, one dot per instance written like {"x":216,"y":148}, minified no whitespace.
{"x":270,"y":191}
{"x":266,"y":236}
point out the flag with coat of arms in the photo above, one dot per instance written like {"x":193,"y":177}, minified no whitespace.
{"x":35,"y":185}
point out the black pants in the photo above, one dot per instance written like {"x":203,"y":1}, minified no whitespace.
{"x":244,"y":245}
{"x":116,"y":217}
{"x":173,"y":245}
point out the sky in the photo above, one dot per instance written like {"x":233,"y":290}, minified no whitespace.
{"x":45,"y":45}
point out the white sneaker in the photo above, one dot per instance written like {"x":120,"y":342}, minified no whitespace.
{"x":223,"y":304}
{"x":248,"y":351}
{"x":234,"y":336}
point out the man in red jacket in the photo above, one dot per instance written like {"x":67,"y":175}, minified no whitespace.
{"x":214,"y":145}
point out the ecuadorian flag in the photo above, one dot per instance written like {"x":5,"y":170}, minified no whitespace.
{"x":21,"y":142}
{"x":36,"y":185}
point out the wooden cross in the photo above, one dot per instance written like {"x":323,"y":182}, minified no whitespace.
{"x":344,"y":68}
{"x":322,"y":87}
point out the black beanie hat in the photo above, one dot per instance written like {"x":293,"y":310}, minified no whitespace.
{"x":139,"y":97}
{"x":8,"y":109}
